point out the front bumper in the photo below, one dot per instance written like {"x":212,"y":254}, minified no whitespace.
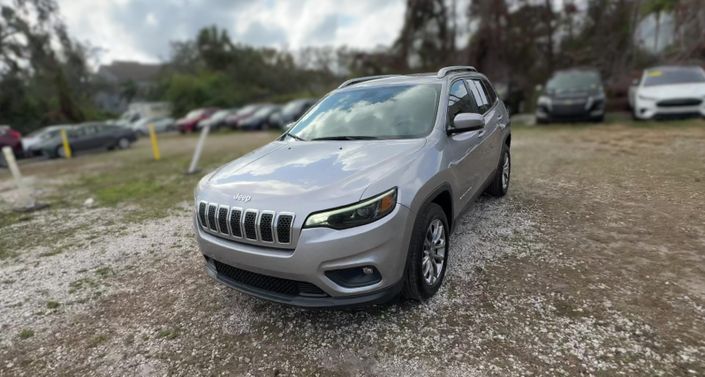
{"x":648,"y":109}
{"x":382,"y":245}
{"x":581,"y":110}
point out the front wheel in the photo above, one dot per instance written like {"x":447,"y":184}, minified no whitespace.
{"x":428,"y":254}
{"x":500,"y":182}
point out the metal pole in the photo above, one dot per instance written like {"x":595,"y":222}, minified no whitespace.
{"x":199,"y":148}
{"x":26,"y":199}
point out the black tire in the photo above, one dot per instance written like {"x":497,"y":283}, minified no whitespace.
{"x":59,"y":152}
{"x":123,"y":143}
{"x":415,"y":286}
{"x":499,"y":187}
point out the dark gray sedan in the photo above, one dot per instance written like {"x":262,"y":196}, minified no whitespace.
{"x":88,"y":136}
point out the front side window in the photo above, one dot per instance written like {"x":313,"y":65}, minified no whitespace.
{"x":389,"y":112}
{"x":459,"y":101}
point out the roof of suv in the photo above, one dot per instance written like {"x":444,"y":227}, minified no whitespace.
{"x":413,"y":78}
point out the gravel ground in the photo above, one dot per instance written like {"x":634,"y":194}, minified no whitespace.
{"x":593,"y":265}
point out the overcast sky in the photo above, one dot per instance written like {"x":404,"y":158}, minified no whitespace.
{"x":141,"y":30}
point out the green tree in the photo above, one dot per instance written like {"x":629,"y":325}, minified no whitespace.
{"x":657,"y":7}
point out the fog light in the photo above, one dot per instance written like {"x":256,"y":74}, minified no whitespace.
{"x":355,"y":277}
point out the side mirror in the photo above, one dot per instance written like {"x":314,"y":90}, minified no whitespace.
{"x":466,"y":122}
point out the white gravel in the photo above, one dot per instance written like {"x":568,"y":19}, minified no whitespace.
{"x":168,"y":317}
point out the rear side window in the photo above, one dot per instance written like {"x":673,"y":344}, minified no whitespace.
{"x":482,"y":95}
{"x":489,"y":91}
{"x":459,"y":101}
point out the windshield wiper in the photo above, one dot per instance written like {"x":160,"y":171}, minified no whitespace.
{"x":295,"y":137}
{"x":346,"y":138}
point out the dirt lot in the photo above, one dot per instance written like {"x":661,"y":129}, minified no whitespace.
{"x":593,"y":265}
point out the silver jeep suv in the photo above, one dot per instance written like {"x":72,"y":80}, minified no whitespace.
{"x":356,"y":202}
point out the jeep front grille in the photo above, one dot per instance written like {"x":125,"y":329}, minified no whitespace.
{"x":246,"y":225}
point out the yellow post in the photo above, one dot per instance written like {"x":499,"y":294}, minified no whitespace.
{"x":65,"y":140}
{"x":153,"y":138}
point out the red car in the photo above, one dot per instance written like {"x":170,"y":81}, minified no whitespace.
{"x":11,"y":138}
{"x":233,"y":120}
{"x":189,"y":122}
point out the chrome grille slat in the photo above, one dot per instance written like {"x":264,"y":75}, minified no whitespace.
{"x":202,"y":214}
{"x":235,"y":222}
{"x":247,"y":225}
{"x":211,"y":217}
{"x":266,"y":219}
{"x":223,"y":220}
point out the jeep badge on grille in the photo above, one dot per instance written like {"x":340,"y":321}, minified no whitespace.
{"x":242,"y":198}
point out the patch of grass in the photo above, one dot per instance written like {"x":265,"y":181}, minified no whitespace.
{"x":52,"y":304}
{"x":82,"y":283}
{"x":168,"y":333}
{"x":26,"y":334}
{"x":97,"y":340}
{"x":104,"y":272}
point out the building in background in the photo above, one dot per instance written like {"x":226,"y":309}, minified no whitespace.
{"x":124,"y":82}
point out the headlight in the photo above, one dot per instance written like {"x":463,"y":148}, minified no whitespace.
{"x":544,"y":100}
{"x":356,"y":214}
{"x":645,"y":98}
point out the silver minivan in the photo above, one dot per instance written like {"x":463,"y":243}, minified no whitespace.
{"x":355,"y":203}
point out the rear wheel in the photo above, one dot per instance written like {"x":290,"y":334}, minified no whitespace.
{"x":500,"y":182}
{"x":428,"y":254}
{"x":123,"y":143}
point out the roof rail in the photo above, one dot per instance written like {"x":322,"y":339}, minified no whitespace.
{"x":443,"y":72}
{"x":358,"y":80}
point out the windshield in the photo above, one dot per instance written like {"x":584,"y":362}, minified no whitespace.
{"x":194,"y":114}
{"x":293,"y":107}
{"x":573,"y":80}
{"x":247,"y":109}
{"x":404,"y":111}
{"x":673,"y":75}
{"x":263,"y":111}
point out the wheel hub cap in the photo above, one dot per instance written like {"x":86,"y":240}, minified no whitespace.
{"x":505,"y":171}
{"x":434,"y":252}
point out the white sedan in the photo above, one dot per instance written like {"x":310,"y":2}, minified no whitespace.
{"x":669,"y":91}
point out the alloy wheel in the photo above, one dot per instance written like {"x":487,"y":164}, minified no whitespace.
{"x":434,"y":252}
{"x":506,"y":169}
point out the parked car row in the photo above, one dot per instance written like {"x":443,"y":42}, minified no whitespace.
{"x":47,"y":141}
{"x":259,"y":116}
{"x":11,"y":138}
{"x":661,"y":92}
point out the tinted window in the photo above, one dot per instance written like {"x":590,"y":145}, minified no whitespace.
{"x":400,"y":111}
{"x":673,"y":75}
{"x":480,"y":95}
{"x":459,"y":101}
{"x":489,"y":91}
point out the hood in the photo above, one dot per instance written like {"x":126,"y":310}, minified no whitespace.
{"x":319,"y":174}
{"x":695,"y":90}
